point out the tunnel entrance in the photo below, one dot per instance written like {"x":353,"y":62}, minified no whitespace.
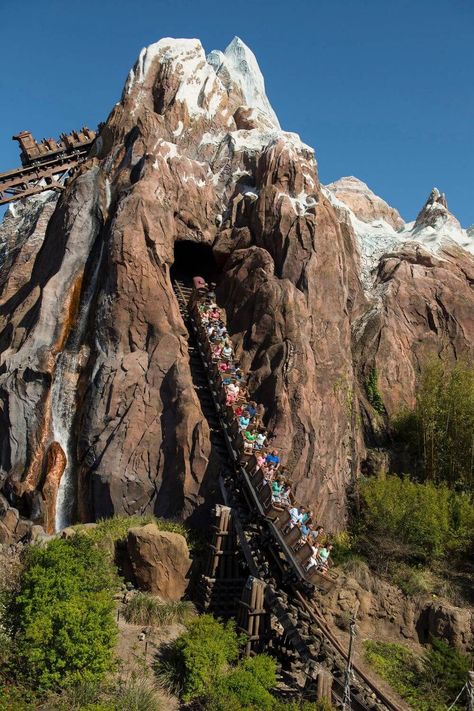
{"x":193,"y":259}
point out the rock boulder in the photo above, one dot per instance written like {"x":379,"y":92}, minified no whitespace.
{"x":159,"y":561}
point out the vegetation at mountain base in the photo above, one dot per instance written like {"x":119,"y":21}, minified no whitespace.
{"x":430,"y":520}
{"x":373,"y":393}
{"x":427,"y":683}
{"x":145,"y":609}
{"x":59,"y":619}
{"x":437,"y":434}
{"x":116,"y":528}
{"x":202,"y":665}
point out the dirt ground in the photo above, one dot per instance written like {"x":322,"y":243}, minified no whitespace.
{"x":137,"y":648}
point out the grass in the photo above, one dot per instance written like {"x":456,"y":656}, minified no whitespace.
{"x":412,"y":580}
{"x":117,"y":527}
{"x":144,"y":609}
{"x":134,"y":693}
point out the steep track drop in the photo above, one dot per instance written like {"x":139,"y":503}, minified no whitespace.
{"x":292,"y":610}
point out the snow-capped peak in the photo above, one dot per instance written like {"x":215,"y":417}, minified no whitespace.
{"x":203,"y":82}
{"x":238,"y":65}
{"x":373,"y":222}
{"x":435,"y":225}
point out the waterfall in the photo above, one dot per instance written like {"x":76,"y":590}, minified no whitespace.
{"x":64,"y":402}
{"x":64,"y":410}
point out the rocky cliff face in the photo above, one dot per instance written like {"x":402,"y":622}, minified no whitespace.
{"x":97,"y":405}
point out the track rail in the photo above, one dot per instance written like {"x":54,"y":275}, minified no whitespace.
{"x":365,"y":695}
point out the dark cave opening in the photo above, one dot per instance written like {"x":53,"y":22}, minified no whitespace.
{"x":194,"y":259}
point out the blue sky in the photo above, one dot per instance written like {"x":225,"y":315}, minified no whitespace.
{"x":383,"y":89}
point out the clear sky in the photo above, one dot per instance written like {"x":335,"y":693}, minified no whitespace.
{"x":383,"y":89}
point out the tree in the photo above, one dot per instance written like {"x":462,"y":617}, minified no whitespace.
{"x":61,"y":617}
{"x":439,"y":432}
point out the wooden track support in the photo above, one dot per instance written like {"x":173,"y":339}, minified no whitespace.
{"x":252,"y":617}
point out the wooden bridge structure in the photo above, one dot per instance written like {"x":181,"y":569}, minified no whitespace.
{"x":44,"y":164}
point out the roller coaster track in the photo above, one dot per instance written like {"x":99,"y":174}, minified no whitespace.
{"x":36,"y":178}
{"x":295,"y":613}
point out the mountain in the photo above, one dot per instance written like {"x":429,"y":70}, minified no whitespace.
{"x":321,"y":285}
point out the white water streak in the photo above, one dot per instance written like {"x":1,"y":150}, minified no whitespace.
{"x":64,"y":404}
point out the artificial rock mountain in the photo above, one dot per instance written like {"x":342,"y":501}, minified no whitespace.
{"x":320,"y":285}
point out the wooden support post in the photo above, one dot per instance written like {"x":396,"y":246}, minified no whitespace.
{"x":324,"y":685}
{"x":251,"y":614}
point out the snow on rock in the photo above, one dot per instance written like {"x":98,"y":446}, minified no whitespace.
{"x":434,"y":228}
{"x":203,"y":83}
{"x":199,"y":88}
{"x":238,"y":65}
{"x":374,"y":238}
{"x":366,"y":205}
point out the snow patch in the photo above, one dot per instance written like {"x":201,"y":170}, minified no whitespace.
{"x":238,"y":65}
{"x":179,"y":130}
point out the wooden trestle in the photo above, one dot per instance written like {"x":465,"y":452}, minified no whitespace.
{"x":45,"y":165}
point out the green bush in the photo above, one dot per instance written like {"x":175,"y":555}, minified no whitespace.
{"x":144,"y":609}
{"x":372,"y":390}
{"x":246,"y":687}
{"x":431,"y":520}
{"x":61,"y":618}
{"x":437,"y":433}
{"x":428,"y":684}
{"x":197,"y":659}
{"x":445,"y":669}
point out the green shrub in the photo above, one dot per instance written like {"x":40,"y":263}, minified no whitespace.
{"x":373,"y":394}
{"x":428,"y":684}
{"x":144,"y":609}
{"x":430,"y":519}
{"x":245,"y":687}
{"x":197,"y":659}
{"x":343,"y":550}
{"x":61,"y":619}
{"x":437,"y":433}
{"x":445,"y":669}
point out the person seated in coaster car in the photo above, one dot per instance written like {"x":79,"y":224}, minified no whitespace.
{"x":260,"y":440}
{"x":252,"y":408}
{"x":273,"y":458}
{"x":227,"y":351}
{"x":244,"y":420}
{"x":313,"y":562}
{"x":249,"y":439}
{"x":286,"y":495}
{"x":323,"y":557}
{"x":217,"y":351}
{"x":277,"y":488}
{"x":233,"y":388}
{"x":297,"y":514}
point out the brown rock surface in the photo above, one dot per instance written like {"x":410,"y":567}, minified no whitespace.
{"x":365,"y":204}
{"x":193,"y":153}
{"x":424,"y":307}
{"x":385,"y":613}
{"x":55,"y":465}
{"x":159,"y":560}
